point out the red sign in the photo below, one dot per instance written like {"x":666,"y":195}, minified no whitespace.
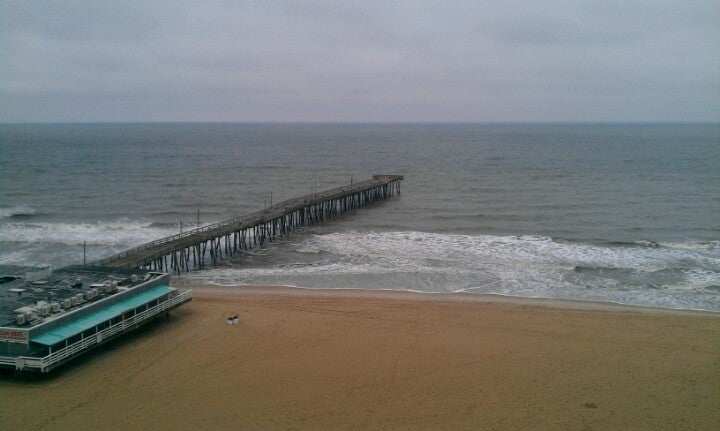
{"x":12,"y":335}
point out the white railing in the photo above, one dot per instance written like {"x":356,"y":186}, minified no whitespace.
{"x":7,"y":360}
{"x":45,"y":363}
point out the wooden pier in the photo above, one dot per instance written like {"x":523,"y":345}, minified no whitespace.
{"x":192,"y":249}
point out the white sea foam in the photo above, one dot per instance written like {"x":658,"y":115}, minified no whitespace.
{"x":99,"y":233}
{"x":18,"y":257}
{"x":530,"y":266}
{"x":531,"y":251}
{"x":17,"y":210}
{"x":703,"y":277}
{"x":690,"y":245}
{"x":674,"y":276}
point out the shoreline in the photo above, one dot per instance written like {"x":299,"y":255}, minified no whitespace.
{"x":570,"y":304}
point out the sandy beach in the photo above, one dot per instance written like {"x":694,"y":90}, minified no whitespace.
{"x":335,"y":359}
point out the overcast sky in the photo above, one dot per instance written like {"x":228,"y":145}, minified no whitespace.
{"x":649,"y":60}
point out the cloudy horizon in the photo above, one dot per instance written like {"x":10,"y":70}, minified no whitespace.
{"x":403,"y":61}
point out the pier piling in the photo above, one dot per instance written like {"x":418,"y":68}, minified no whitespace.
{"x":224,"y":239}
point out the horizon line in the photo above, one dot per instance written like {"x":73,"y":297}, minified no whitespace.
{"x":354,"y":122}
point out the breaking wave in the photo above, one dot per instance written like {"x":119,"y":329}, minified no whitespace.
{"x":98,"y":233}
{"x":20,"y":211}
{"x":677,"y":276}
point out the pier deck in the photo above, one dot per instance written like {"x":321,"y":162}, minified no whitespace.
{"x":189,"y":249}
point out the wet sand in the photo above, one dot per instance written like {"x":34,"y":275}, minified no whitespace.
{"x":318,"y":359}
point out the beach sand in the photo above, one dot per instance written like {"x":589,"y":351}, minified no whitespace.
{"x":317,"y":359}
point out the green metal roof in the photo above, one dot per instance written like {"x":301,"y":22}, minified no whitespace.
{"x":88,"y":321}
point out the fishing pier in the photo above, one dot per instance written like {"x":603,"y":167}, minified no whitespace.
{"x":192,"y":249}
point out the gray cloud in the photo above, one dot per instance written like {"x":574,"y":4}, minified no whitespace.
{"x":360,"y":61}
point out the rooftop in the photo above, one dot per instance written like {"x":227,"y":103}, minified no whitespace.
{"x":29,"y":296}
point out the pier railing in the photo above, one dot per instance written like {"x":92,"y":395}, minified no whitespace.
{"x":258,"y":216}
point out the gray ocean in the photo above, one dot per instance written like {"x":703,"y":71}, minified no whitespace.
{"x":612,"y":212}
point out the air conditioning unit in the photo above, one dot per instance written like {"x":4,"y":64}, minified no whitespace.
{"x":91,"y":294}
{"x":20,"y":319}
{"x":42,"y":308}
{"x":67,"y":303}
{"x":55,"y":307}
{"x":24,"y":310}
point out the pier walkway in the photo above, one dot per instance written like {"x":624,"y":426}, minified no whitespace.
{"x":190,"y":250}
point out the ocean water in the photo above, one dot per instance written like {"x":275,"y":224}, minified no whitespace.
{"x":613,"y":212}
